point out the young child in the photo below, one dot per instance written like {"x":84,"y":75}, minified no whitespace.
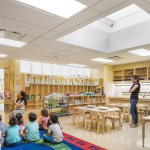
{"x":43,"y":120}
{"x":2,"y":131}
{"x":31,"y":129}
{"x":54,"y":134}
{"x":49,"y":122}
{"x":13,"y":133}
{"x":20,"y":121}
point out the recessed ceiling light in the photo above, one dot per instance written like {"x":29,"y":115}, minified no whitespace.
{"x":124,"y":12}
{"x":76,"y":65}
{"x":3,"y":55}
{"x":63,"y":8}
{"x":13,"y":43}
{"x":102,"y":60}
{"x":141,"y":52}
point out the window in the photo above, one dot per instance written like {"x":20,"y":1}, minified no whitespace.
{"x":87,"y":73}
{"x":25,"y":66}
{"x":36,"y":68}
{"x":56,"y":70}
{"x":47,"y":69}
{"x":73,"y":71}
{"x":64,"y":70}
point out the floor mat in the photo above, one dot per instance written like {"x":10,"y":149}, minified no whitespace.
{"x":69,"y":143}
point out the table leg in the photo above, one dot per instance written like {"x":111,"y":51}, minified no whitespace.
{"x":103,"y":122}
{"x":147,"y":110}
{"x":143,"y":132}
{"x":120,"y":124}
{"x":73,"y":116}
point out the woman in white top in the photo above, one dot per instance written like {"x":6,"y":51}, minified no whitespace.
{"x":20,"y":104}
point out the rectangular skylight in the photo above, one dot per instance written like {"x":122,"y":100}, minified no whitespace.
{"x":63,"y":8}
{"x":141,"y":52}
{"x":3,"y":55}
{"x":9,"y":42}
{"x":76,"y":65}
{"x":102,"y":60}
{"x":124,"y":12}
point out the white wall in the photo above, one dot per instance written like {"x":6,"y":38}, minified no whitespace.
{"x":97,"y":73}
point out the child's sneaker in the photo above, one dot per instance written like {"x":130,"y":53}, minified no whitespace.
{"x":132,"y":126}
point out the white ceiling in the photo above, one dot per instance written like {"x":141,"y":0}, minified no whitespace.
{"x":42,"y":30}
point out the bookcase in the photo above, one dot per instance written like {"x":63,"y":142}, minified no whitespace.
{"x":36,"y":90}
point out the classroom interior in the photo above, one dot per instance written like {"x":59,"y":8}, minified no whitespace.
{"x":84,"y":51}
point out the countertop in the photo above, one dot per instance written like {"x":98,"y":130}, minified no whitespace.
{"x":127,"y":98}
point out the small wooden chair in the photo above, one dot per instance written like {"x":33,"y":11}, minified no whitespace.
{"x":82,"y":115}
{"x":113,"y":116}
{"x":95,"y":116}
{"x":126,"y":113}
{"x":142,"y":111}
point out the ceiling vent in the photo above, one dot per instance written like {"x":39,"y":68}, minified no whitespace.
{"x":115,"y":58}
{"x":11,"y":35}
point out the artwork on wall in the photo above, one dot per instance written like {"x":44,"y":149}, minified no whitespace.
{"x":70,"y":81}
{"x":61,"y":80}
{"x":34,"y":79}
{"x":27,"y":78}
{"x":56,"y":80}
{"x":51,"y":80}
{"x":66,"y":80}
{"x":40,"y":79}
{"x":45,"y":79}
{"x":33,"y":97}
{"x":27,"y":97}
{"x":82,"y":81}
{"x":39,"y":96}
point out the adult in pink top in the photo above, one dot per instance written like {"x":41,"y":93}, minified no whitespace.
{"x":43,"y":120}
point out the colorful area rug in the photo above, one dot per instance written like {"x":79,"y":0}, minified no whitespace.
{"x":69,"y":143}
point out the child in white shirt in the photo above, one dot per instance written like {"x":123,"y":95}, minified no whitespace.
{"x":54,"y":133}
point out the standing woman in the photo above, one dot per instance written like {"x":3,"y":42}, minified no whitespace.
{"x":20,"y":104}
{"x":134,"y":90}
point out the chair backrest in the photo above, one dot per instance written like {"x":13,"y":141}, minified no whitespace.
{"x":94,"y":115}
{"x":81,"y":113}
{"x":126,"y":109}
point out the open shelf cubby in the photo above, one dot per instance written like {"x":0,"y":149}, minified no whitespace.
{"x":127,"y":73}
{"x":118,"y":75}
{"x":141,"y":73}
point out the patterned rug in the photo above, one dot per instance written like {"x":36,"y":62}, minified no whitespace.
{"x":69,"y":143}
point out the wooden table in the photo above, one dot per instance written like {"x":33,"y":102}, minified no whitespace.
{"x":144,"y":120}
{"x":102,"y":112}
{"x":125,"y":105}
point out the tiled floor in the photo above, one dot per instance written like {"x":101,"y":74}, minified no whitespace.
{"x":114,"y":139}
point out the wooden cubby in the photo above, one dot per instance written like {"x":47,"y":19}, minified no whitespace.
{"x":118,"y":75}
{"x":141,"y":73}
{"x":148,"y":73}
{"x":127,"y":73}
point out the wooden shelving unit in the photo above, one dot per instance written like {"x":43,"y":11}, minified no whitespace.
{"x":127,"y":74}
{"x":118,"y":75}
{"x":141,"y":73}
{"x":42,"y":90}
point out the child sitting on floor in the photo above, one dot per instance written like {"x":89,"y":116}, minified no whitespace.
{"x":43,"y":120}
{"x":20,"y":121}
{"x":31,"y":129}
{"x":13,"y":133}
{"x":49,"y":122}
{"x":54,"y":133}
{"x":2,"y":131}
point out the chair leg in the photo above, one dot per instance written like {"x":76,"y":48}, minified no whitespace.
{"x":105,"y":124}
{"x":141,"y":116}
{"x":85,"y":124}
{"x":98,"y":127}
{"x":89,"y":125}
{"x":77,"y":123}
{"x":114,"y":123}
{"x":130,"y":119}
{"x":122,"y":117}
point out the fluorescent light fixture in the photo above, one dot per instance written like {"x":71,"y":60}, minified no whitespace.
{"x":141,"y":52}
{"x":9,"y":42}
{"x":3,"y":55}
{"x":76,"y":65}
{"x":102,"y":60}
{"x":124,"y":12}
{"x":63,"y":8}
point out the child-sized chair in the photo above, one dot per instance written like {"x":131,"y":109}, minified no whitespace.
{"x":126,"y":114}
{"x":82,"y":115}
{"x":95,"y":116}
{"x":141,"y":111}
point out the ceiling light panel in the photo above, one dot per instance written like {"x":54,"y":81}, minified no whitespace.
{"x":141,"y":52}
{"x":9,"y":42}
{"x":124,"y":12}
{"x":102,"y":60}
{"x":76,"y":65}
{"x":3,"y":55}
{"x":63,"y":8}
